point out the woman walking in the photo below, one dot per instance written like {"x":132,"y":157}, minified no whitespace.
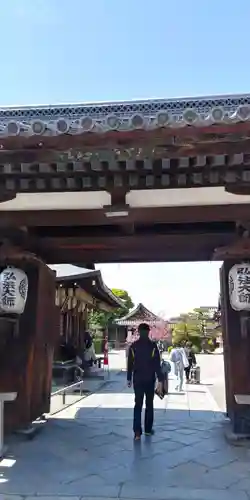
{"x":180,"y":361}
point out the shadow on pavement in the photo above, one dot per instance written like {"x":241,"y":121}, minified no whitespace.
{"x":93,"y":455}
{"x":88,"y":451}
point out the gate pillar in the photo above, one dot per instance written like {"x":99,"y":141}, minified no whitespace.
{"x":236,"y":341}
{"x":27,"y":347}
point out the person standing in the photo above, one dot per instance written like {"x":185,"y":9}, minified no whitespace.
{"x":191,"y":360}
{"x":180,"y":361}
{"x":143,"y":366}
{"x":129,"y":340}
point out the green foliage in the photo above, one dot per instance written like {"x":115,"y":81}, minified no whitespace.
{"x":127,"y":301}
{"x":187,"y":330}
{"x":101,"y":319}
{"x":196,"y":349}
{"x":193,"y":326}
{"x":98,"y":345}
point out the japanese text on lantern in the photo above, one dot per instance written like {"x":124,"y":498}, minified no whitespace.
{"x":239,"y":286}
{"x":9,"y":289}
{"x":243,"y":284}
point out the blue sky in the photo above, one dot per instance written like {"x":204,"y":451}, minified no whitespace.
{"x":77,"y":50}
{"x":165,"y":288}
{"x":82,"y":50}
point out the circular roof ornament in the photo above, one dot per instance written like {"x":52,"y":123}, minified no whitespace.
{"x":86,"y":123}
{"x":62,"y":126}
{"x":190,"y":116}
{"x":13,"y":128}
{"x":243,"y":113}
{"x":217,"y":114}
{"x":137,"y":121}
{"x":163,"y":118}
{"x":38,"y":127}
{"x":113,"y":122}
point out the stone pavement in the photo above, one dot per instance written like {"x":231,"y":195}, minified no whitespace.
{"x":87,"y":452}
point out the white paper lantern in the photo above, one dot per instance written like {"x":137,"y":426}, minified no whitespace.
{"x":239,"y":286}
{"x":13,"y":290}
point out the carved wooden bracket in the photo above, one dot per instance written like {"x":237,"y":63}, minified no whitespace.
{"x":9,"y":254}
{"x":118,"y":201}
{"x":6,"y":195}
{"x":240,"y":249}
{"x":238,"y":188}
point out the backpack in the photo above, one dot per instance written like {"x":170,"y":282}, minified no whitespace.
{"x":165,"y":367}
{"x":175,"y":355}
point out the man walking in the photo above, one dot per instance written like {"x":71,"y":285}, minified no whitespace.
{"x":143,"y":365}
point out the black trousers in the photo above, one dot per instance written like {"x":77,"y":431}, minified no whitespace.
{"x":187,"y":372}
{"x":142,"y":389}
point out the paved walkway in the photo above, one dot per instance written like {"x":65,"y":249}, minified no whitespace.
{"x":87,"y":451}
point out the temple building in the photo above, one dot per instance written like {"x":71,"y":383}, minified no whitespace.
{"x":127,"y":326}
{"x":76,"y":296}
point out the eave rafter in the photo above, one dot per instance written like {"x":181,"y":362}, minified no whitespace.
{"x":123,"y":176}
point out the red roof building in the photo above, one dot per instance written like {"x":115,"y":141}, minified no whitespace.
{"x":158,"y":326}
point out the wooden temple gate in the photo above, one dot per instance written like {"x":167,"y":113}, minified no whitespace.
{"x":159,"y":180}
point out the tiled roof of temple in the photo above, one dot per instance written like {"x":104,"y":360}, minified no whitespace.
{"x":139,"y":315}
{"x":123,"y":116}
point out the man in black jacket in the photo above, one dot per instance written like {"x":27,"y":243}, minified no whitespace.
{"x":144,"y":364}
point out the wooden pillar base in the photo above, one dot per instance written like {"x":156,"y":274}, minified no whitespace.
{"x":240,"y":420}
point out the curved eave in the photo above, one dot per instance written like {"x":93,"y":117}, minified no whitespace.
{"x":136,"y":317}
{"x":99,"y":290}
{"x":136,"y":323}
{"x":113,"y":300}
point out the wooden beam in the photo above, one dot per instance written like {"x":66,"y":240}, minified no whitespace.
{"x":165,"y":248}
{"x":134,"y":241}
{"x":169,"y":147}
{"x":171,"y":255}
{"x":157,"y":215}
{"x":128,"y":229}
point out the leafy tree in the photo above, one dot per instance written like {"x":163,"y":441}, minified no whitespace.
{"x":127,"y":302}
{"x":188,"y":329}
{"x":193,"y":327}
{"x":101,"y":319}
